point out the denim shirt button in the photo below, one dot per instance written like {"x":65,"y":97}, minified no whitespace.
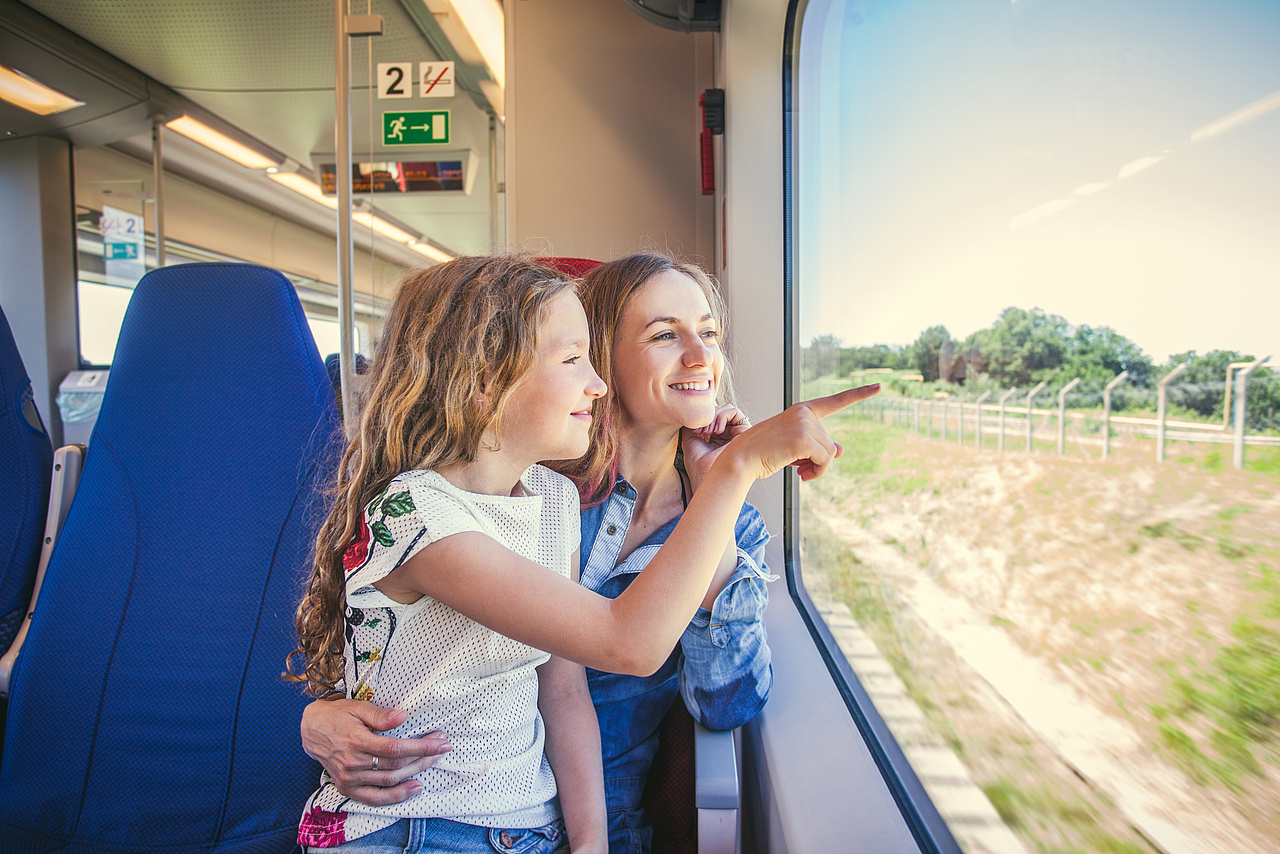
{"x":611,"y":530}
{"x":621,"y":489}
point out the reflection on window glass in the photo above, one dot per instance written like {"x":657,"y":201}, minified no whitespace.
{"x":102,"y":310}
{"x":1048,"y":229}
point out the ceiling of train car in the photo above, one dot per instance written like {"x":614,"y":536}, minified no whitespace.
{"x":268,"y":69}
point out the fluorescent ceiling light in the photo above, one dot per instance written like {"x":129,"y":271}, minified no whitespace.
{"x":476,"y":29}
{"x":306,"y":187}
{"x":224,"y":145}
{"x":431,"y":252}
{"x":381,"y":226}
{"x":31,"y":95}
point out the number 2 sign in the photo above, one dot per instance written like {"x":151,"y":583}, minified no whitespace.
{"x":395,"y":80}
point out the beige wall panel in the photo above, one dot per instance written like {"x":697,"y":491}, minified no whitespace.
{"x":602,"y":132}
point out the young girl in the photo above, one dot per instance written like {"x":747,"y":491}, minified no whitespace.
{"x":449,"y":561}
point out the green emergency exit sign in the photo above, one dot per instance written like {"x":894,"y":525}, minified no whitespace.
{"x":112,"y":251}
{"x":415,"y":127}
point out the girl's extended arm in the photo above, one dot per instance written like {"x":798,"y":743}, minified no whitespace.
{"x":634,"y":633}
{"x":573,"y":749}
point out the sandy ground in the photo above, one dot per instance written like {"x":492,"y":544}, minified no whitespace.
{"x":1074,"y":587}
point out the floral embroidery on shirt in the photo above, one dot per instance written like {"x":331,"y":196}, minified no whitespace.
{"x":392,"y":506}
{"x":354,"y":557}
{"x":322,"y":829}
{"x":358,"y":619}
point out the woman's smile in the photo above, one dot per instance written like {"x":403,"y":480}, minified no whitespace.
{"x":668,"y":348}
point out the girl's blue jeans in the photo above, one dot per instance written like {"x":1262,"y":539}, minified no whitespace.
{"x":424,"y":835}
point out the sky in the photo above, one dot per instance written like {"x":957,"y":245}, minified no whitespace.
{"x":1113,"y":163}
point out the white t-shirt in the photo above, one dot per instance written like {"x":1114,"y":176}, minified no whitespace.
{"x":451,"y":673}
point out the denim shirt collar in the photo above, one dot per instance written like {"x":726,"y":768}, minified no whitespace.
{"x":604,"y":528}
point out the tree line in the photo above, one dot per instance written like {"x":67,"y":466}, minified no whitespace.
{"x":1023,"y":348}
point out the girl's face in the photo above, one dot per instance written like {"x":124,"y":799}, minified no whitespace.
{"x":548,"y":415}
{"x":666,"y":355}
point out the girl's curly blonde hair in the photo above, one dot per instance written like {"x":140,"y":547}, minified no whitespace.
{"x":454,"y":332}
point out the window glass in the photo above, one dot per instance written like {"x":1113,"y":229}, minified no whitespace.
{"x":102,"y":304}
{"x":1048,"y":229}
{"x":102,"y":310}
{"x":325,"y":331}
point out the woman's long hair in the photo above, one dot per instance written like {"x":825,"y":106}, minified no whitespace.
{"x":606,"y":291}
{"x":458,"y":339}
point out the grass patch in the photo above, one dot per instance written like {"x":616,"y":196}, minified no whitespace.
{"x":1220,"y":721}
{"x":1042,"y":814}
{"x":1162,"y":530}
{"x":1265,"y":460}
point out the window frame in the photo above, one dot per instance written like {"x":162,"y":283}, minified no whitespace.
{"x":925,"y":822}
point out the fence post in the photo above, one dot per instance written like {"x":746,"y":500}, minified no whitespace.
{"x":930,"y":418}
{"x":946,"y":405}
{"x":1226,"y":399}
{"x":1160,"y":409}
{"x":1106,"y":412}
{"x":960,"y":425}
{"x":1031,"y":417}
{"x":977,"y":443}
{"x":1242,"y":378}
{"x":1003,"y":398}
{"x":1062,"y":415}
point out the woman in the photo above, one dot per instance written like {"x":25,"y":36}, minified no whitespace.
{"x":656,"y":328}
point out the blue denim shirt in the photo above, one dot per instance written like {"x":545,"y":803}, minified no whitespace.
{"x":721,"y":666}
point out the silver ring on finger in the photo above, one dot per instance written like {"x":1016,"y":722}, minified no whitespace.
{"x":375,"y":763}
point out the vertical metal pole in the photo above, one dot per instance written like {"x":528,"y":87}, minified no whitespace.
{"x":1163,"y":388}
{"x":493,"y":184}
{"x":1062,"y":415}
{"x":1030,"y":414}
{"x":346,"y":246}
{"x":946,"y":405}
{"x":1004,"y":397}
{"x":930,"y":418}
{"x":1106,"y":412}
{"x":1242,"y":378}
{"x":961,"y":424}
{"x":157,"y":180}
{"x":977,"y":442}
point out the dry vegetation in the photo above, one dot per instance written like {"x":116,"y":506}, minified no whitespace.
{"x":1152,"y":590}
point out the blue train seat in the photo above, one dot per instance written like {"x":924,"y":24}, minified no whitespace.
{"x":147,"y":711}
{"x":26,"y":460}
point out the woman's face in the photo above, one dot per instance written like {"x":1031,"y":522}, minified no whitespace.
{"x":666,"y":355}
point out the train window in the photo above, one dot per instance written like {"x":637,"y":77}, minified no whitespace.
{"x":101,"y":310}
{"x":103,"y":293}
{"x":1052,"y":553}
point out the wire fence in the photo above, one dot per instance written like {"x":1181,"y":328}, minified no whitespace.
{"x":1012,"y":428}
